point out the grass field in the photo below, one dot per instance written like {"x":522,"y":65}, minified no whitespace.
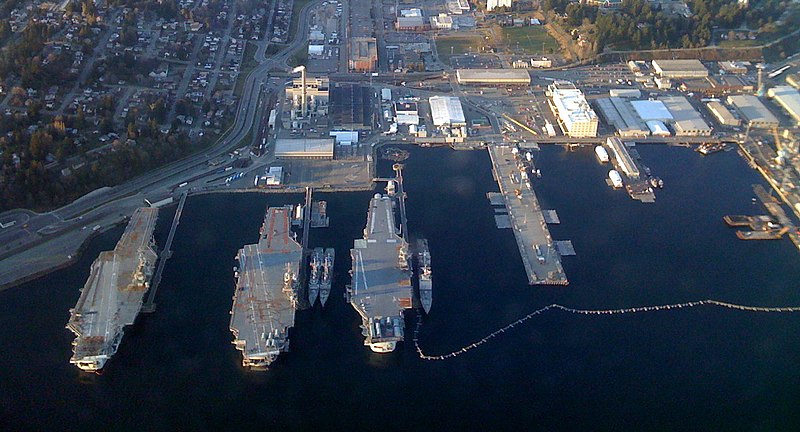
{"x":248,"y":63}
{"x":529,"y":40}
{"x":454,"y":46}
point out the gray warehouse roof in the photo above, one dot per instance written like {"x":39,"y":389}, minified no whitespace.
{"x":686,"y":119}
{"x":304,"y":148}
{"x":753,"y":110}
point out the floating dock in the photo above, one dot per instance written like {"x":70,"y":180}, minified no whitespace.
{"x":536,"y":246}
{"x":266,"y":293}
{"x":381,"y":277}
{"x":319,"y":214}
{"x":114,"y":292}
{"x":624,"y":161}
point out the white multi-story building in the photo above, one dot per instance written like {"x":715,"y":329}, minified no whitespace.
{"x":494,"y":4}
{"x":577,"y":118}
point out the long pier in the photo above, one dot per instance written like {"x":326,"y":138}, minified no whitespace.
{"x":303,"y":271}
{"x":398,"y":169}
{"x":537,"y":248}
{"x":150,"y":306}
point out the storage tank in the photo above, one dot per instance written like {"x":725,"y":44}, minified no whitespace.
{"x":616,"y":179}
{"x":601,"y":153}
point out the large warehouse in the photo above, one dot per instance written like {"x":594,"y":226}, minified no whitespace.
{"x":788,"y":98}
{"x":723,"y":114}
{"x":493,"y":76}
{"x":577,"y":118}
{"x":753,"y":111}
{"x":685,"y":119}
{"x":652,"y":110}
{"x":304,"y":148}
{"x":350,"y":107}
{"x":680,"y":68}
{"x":618,"y":113}
{"x":447,"y":111}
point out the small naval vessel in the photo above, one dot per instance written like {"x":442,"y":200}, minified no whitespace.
{"x":314,"y":276}
{"x":424,"y":275}
{"x":327,"y":275}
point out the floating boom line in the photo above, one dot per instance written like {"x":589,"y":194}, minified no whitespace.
{"x":496,"y":333}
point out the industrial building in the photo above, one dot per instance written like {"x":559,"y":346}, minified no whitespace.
{"x":788,"y":98}
{"x":441,"y":22}
{"x":733,"y":67}
{"x":304,"y":148}
{"x":273,"y":176}
{"x":618,"y":113}
{"x":717,"y":86}
{"x":406,"y":113}
{"x":685,"y":119}
{"x":411,"y":23}
{"x":623,"y":158}
{"x":447,"y":111}
{"x":625,"y":93}
{"x":493,"y":76}
{"x":649,"y":110}
{"x":363,"y":54}
{"x":722,"y":114}
{"x":753,"y":111}
{"x":350,"y":107}
{"x":576,"y":117}
{"x":458,"y":7}
{"x":307,"y":97}
{"x":680,"y":68}
{"x":494,"y":4}
{"x":658,"y":128}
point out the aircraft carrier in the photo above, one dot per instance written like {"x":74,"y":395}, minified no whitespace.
{"x":381,"y":277}
{"x":113,"y":294}
{"x":267,"y":284}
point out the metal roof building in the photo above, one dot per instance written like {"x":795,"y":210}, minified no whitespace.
{"x":493,"y":76}
{"x":680,"y":68}
{"x":753,"y":111}
{"x":304,"y":148}
{"x":447,"y":110}
{"x":651,"y":110}
{"x":722,"y":114}
{"x":686,"y":120}
{"x":620,"y":114}
{"x":788,"y":98}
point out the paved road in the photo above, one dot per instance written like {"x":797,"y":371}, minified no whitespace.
{"x":112,"y":204}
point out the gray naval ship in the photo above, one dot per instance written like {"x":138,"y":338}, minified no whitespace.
{"x":327,"y":275}
{"x":265,"y":298}
{"x":381,"y":277}
{"x":424,"y":275}
{"x":315,"y":276}
{"x":114,"y":292}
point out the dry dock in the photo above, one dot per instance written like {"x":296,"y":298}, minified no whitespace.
{"x":113,"y":294}
{"x":265,"y":299}
{"x":542,"y":261}
{"x":381,"y":277}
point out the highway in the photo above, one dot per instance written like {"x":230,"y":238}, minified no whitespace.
{"x":72,"y":224}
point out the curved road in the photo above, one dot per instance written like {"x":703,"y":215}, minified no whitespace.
{"x":104,"y":204}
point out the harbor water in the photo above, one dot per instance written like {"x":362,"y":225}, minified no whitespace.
{"x":700,"y":368}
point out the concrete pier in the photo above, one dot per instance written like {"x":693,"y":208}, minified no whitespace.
{"x":536,"y":246}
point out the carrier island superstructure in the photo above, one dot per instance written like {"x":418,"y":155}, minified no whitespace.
{"x":381,"y":277}
{"x":113,"y":294}
{"x":267,"y":285}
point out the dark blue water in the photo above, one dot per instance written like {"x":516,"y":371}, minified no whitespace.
{"x":704,"y":368}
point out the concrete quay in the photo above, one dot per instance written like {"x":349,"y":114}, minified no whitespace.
{"x":537,"y":248}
